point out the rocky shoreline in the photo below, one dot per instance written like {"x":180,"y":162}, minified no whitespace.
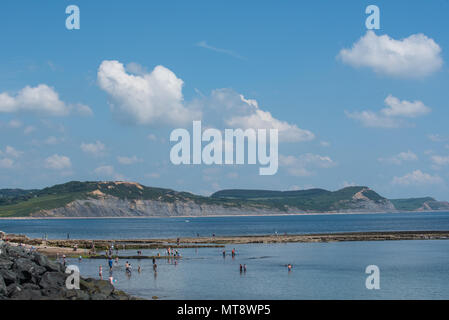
{"x":84,"y":246}
{"x":29,"y":275}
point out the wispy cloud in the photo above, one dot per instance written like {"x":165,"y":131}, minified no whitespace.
{"x":203,"y":44}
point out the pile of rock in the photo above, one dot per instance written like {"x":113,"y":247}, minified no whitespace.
{"x":26,"y":275}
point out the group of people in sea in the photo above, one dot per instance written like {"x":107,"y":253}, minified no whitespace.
{"x":173,"y":252}
{"x":232,"y":253}
{"x":114,"y":262}
{"x":243,"y":267}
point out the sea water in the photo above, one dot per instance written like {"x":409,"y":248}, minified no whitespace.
{"x":135,"y":228}
{"x":413,"y":269}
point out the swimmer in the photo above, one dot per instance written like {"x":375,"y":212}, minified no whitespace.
{"x":100,"y":272}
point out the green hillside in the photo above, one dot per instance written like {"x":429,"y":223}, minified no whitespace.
{"x":21,"y":203}
{"x":425,"y":203}
{"x":318,"y":200}
{"x":27,"y":202}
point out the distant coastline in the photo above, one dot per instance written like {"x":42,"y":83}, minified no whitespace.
{"x":223,"y":215}
{"x":108,"y":199}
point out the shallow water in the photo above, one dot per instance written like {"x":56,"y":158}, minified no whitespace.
{"x":408,"y":270}
{"x":132,"y":228}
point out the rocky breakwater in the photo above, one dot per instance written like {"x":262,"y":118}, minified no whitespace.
{"x":26,"y":275}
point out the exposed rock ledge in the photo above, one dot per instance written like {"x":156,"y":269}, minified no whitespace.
{"x":26,"y":275}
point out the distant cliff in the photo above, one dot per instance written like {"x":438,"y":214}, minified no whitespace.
{"x":129,"y":199}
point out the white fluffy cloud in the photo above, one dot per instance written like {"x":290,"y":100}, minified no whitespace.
{"x":156,"y":98}
{"x":41,"y":99}
{"x":392,"y":116}
{"x":404,"y":108}
{"x":412,"y":57}
{"x":400,"y":158}
{"x":301,"y":166}
{"x":95,"y":149}
{"x":14,"y":124}
{"x":417,"y":178}
{"x":10,"y":152}
{"x":437,"y":138}
{"x":128,"y":160}
{"x":440,"y":160}
{"x":57,"y":162}
{"x":374,"y":120}
{"x":6,"y":163}
{"x":108,"y":172}
{"x":149,"y":98}
{"x":235,"y":111}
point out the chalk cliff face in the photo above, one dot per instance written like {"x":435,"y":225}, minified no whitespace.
{"x":130,"y":199}
{"x":114,"y":207}
{"x":361,"y":202}
{"x":109,"y":206}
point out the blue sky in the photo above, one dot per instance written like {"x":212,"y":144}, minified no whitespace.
{"x":352,"y":117}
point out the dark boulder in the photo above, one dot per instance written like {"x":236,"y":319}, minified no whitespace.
{"x":31,"y":286}
{"x":27,"y":269}
{"x":53,"y":280}
{"x":13,"y":289}
{"x":32,"y":276}
{"x":44,"y":262}
{"x":18,"y":252}
{"x":98,"y":296}
{"x":27,"y":295}
{"x":3,"y":290}
{"x":5,"y":263}
{"x":8,"y":275}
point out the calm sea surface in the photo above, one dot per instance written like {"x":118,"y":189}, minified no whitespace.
{"x":134,"y":228}
{"x":408,"y":269}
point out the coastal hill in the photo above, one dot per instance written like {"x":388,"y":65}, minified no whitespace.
{"x":129,"y":199}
